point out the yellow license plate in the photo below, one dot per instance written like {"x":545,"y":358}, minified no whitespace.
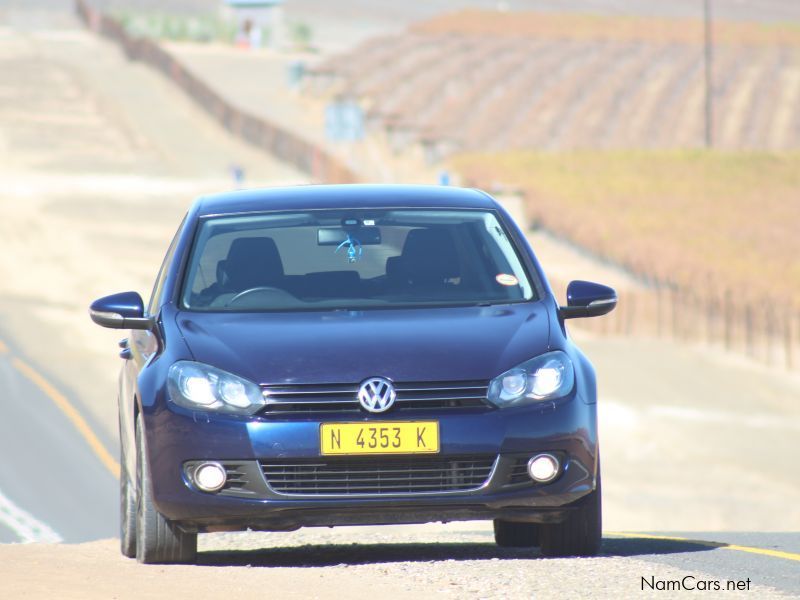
{"x":407,"y":437}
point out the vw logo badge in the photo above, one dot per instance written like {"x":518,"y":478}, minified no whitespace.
{"x":377,"y":395}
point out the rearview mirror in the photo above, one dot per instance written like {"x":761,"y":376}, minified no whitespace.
{"x":120,"y":311}
{"x":587,"y":299}
{"x":334,"y":236}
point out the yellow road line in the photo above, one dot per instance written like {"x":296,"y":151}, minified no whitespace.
{"x":720,"y":545}
{"x":3,"y":347}
{"x":72,"y":414}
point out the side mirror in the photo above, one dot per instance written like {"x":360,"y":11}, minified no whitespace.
{"x":120,"y":311}
{"x":587,"y":299}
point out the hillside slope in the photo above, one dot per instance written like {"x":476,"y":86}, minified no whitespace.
{"x":487,"y":81}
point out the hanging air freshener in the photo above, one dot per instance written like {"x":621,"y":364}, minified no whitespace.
{"x":354,"y":250}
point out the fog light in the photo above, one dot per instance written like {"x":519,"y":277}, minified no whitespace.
{"x":210,"y":477}
{"x":543,"y":468}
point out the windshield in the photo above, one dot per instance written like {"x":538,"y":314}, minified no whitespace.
{"x":350,"y":259}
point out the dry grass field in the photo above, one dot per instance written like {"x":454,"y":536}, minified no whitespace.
{"x":708,"y":221}
{"x":591,"y":26}
{"x":487,"y":80}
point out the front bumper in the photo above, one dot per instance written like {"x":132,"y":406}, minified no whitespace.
{"x":177,"y":440}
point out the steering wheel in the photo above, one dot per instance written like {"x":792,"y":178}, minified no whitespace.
{"x":257,"y":290}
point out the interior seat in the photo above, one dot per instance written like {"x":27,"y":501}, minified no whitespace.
{"x":428,"y":260}
{"x":251,"y":262}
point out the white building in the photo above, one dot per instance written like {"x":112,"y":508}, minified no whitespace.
{"x":253,"y":18}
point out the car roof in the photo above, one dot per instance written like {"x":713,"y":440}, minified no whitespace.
{"x":308,"y":197}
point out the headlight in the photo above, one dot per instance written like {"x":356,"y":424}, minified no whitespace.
{"x":545,"y":377}
{"x":201,"y":387}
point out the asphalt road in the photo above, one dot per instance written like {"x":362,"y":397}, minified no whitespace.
{"x":708,"y":556}
{"x":53,"y":485}
{"x":56,"y":477}
{"x":339,"y":24}
{"x":724,"y":556}
{"x":749,"y":10}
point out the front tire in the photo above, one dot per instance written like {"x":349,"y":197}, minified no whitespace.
{"x":127,"y":513}
{"x":508,"y":534}
{"x":157,"y":539}
{"x":581,"y":533}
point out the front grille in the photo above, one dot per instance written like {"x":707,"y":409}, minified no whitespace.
{"x":519,"y":472}
{"x":238,"y":481}
{"x":283,"y":399}
{"x":384,"y":475}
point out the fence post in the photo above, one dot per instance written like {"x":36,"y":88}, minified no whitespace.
{"x":674,"y":302}
{"x":788,"y":340}
{"x":711,"y":305}
{"x":728,"y":316}
{"x":748,"y":330}
{"x":769,"y":350}
{"x":659,"y":303}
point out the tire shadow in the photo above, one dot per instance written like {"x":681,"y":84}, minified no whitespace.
{"x":328,"y":555}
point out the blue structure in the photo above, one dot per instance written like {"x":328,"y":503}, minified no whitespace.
{"x":344,"y":121}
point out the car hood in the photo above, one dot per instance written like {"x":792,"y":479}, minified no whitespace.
{"x":432,"y":344}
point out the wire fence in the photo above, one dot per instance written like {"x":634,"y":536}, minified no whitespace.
{"x":309,"y":158}
{"x":762,"y":331}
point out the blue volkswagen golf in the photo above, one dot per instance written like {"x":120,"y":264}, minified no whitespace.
{"x":354,"y":355}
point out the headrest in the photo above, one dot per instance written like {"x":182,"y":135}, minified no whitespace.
{"x":430,"y":256}
{"x":394,"y":267}
{"x":252,"y":262}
